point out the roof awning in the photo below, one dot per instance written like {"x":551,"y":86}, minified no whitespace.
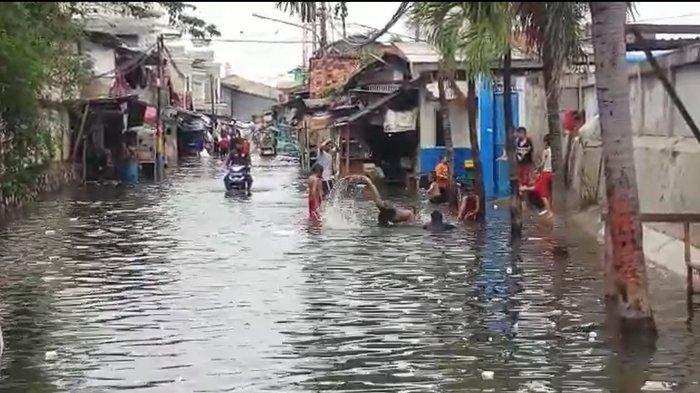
{"x":366,"y":110}
{"x":449,"y":94}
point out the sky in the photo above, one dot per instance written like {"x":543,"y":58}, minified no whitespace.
{"x":268,"y":63}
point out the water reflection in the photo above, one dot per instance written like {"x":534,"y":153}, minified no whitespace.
{"x":180,"y":287}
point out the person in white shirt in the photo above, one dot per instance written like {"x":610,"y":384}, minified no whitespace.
{"x":326,"y":161}
{"x":543,"y":185}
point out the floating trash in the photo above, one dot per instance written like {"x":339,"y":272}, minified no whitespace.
{"x":487,"y":375}
{"x":657,"y":386}
{"x":509,"y":270}
{"x":50,"y":232}
{"x":50,"y":355}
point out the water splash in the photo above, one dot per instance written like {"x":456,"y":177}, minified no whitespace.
{"x":340,"y":210}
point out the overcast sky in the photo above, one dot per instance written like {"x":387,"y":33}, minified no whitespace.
{"x":268,"y":62}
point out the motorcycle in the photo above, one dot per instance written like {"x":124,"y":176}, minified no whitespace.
{"x":238,"y":178}
{"x":268,"y":144}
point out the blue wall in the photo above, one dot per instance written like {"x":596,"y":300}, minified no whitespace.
{"x":430,"y":156}
{"x":493,"y":138}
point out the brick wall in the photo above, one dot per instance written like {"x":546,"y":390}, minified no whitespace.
{"x":330,"y":73}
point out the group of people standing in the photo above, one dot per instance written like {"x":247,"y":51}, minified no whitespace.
{"x":535,"y":179}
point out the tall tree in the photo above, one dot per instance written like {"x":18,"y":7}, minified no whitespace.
{"x":626,"y":268}
{"x":474,"y":143}
{"x":516,"y":205}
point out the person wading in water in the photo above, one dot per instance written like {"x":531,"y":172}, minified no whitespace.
{"x":388,"y":213}
{"x":437,"y":224}
{"x":315,"y":192}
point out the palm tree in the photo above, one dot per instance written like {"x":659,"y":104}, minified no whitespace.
{"x":516,"y":204}
{"x":475,"y":32}
{"x":626,"y":265}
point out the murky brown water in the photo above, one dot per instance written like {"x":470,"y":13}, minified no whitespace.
{"x":176,"y":287}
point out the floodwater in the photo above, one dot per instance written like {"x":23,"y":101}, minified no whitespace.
{"x":176,"y":287}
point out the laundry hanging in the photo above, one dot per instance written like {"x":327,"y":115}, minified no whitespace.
{"x":400,"y":121}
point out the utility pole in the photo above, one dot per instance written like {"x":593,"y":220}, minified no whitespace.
{"x":211,"y":93}
{"x":323,"y":32}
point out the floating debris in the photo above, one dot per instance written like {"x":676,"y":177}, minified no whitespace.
{"x":487,"y":375}
{"x":657,"y":386}
{"x":50,"y":355}
{"x":50,"y":232}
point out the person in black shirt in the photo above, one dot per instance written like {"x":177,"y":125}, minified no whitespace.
{"x":523,"y":154}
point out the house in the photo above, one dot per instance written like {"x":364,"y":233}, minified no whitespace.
{"x":397,"y":125}
{"x":244,"y":98}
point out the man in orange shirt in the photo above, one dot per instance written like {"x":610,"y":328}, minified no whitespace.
{"x":442,"y":177}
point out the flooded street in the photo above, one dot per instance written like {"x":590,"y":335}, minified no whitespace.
{"x":176,"y":287}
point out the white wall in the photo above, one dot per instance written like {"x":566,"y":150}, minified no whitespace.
{"x":102,"y":59}
{"x":667,"y":157}
{"x":458,"y":121}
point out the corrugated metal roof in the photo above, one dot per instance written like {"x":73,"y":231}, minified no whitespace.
{"x":315,"y":103}
{"x":418,"y":52}
{"x":251,"y":87}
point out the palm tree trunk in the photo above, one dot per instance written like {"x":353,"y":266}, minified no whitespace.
{"x":474,"y":142}
{"x":322,"y":22}
{"x":630,"y":299}
{"x":551,"y":89}
{"x":516,"y":206}
{"x":447,"y":132}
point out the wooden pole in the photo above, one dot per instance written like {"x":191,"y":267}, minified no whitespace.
{"x":347,"y":150}
{"x":85,"y":161}
{"x":80,"y":132}
{"x":516,"y":213}
{"x":689,"y":269}
{"x":669,"y":89}
{"x":159,"y":107}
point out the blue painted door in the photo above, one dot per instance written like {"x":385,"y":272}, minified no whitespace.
{"x":501,"y":179}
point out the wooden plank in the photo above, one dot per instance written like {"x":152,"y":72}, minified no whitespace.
{"x":671,"y":91}
{"x":79,"y":137}
{"x":649,"y":28}
{"x":670,"y":44}
{"x":671,"y":217}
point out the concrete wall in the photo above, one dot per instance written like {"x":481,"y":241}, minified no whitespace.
{"x":429,"y":153}
{"x":428,"y":114}
{"x":667,"y":157}
{"x":102,"y":60}
{"x":242,"y":106}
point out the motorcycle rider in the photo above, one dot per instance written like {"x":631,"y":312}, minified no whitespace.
{"x":239,"y":156}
